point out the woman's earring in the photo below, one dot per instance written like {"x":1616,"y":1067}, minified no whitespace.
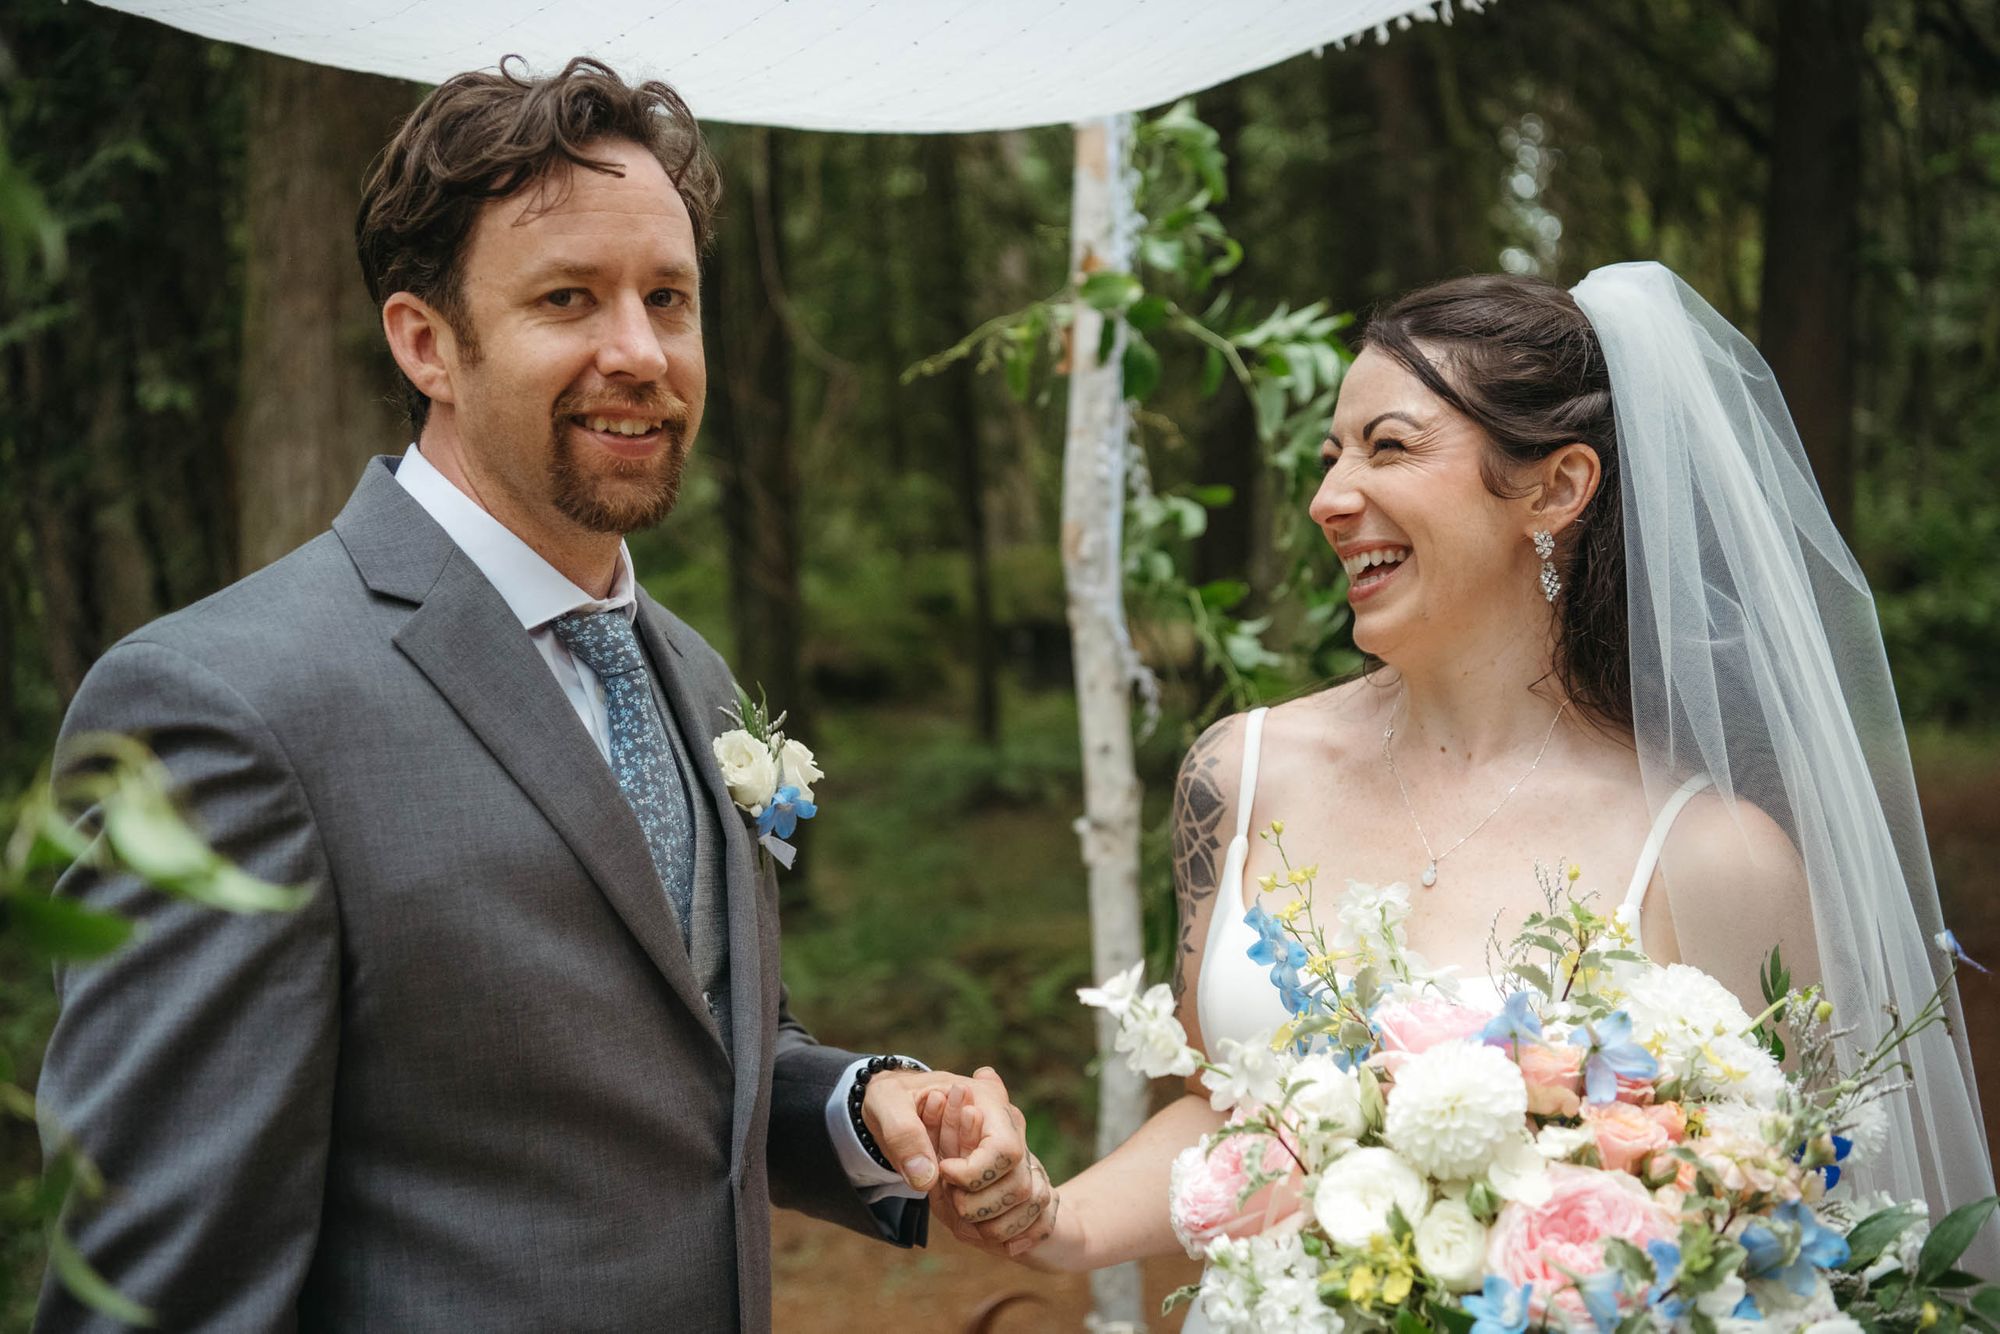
{"x":1545,"y":547}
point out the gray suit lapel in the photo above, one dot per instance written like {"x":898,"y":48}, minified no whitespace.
{"x":464,"y":638}
{"x":700,"y":720}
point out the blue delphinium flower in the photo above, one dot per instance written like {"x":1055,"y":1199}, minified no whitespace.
{"x":1285,"y":955}
{"x":1819,"y":1247}
{"x":783,"y":812}
{"x":1501,"y":1308}
{"x":1948,"y":940}
{"x":1666,"y":1258}
{"x":1842,"y":1146}
{"x":1610,"y":1052}
{"x":1601,"y":1293}
{"x":1516,"y":1021}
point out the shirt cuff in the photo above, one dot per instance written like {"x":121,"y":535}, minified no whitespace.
{"x":874,"y":1181}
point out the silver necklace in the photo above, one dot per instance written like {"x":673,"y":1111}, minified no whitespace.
{"x":1431,"y":867}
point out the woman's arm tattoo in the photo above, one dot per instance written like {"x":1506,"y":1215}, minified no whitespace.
{"x":1197,"y":817}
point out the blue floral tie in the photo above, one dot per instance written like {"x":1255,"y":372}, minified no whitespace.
{"x":642,"y":759}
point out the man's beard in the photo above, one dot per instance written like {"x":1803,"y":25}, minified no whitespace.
{"x":621,"y":495}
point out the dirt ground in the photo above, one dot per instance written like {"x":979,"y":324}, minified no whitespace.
{"x":833,"y":1282}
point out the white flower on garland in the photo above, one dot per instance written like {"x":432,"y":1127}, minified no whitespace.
{"x":1454,"y":1107}
{"x":1357,"y":1191}
{"x":1451,"y":1246}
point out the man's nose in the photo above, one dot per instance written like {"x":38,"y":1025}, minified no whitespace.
{"x":631,"y":347}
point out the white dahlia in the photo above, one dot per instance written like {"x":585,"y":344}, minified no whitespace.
{"x":1676,"y":1011}
{"x":1357,"y":1191}
{"x":1454,"y":1106}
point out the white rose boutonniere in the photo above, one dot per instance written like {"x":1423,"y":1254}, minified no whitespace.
{"x":769,"y":775}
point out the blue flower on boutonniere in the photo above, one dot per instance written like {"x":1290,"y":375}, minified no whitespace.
{"x":1610,"y":1052}
{"x":769,"y":775}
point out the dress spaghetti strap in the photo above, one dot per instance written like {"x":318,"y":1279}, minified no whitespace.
{"x":1649,"y":856}
{"x":1246,"y":787}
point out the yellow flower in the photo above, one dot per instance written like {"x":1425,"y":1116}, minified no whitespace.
{"x":1298,"y":876}
{"x":1575,"y":873}
{"x":1929,"y":1316}
{"x":1823,"y":1011}
{"x":1292,"y":911}
{"x":1285,"y":1034}
{"x":1396,"y":1287}
{"x":1277,"y":828}
{"x":1267,"y":883}
{"x":1361,"y":1285}
{"x":1322,"y":965}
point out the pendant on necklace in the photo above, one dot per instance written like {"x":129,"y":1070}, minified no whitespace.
{"x":1430,"y":875}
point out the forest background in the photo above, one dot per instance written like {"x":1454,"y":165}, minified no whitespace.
{"x":191,"y":377}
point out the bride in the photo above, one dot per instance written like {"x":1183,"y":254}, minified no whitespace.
{"x":1614,"y":627}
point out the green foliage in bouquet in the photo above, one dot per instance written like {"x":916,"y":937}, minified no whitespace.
{"x":114,"y":811}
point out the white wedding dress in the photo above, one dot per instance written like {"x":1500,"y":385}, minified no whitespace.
{"x":1234,"y":996}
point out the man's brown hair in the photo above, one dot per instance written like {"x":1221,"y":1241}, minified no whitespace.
{"x":484,"y":136}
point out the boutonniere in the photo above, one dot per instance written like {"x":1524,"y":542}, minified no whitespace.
{"x":770,"y":775}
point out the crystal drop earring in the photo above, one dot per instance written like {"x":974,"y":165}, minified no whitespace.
{"x":1545,"y":547}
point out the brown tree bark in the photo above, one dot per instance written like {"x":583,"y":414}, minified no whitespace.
{"x":751,"y":425}
{"x":944,"y":246}
{"x":1812,"y":232}
{"x":318,"y":386}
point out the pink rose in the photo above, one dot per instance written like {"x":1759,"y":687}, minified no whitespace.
{"x":1407,"y":1028}
{"x":1554,"y":1076}
{"x":1626,"y":1135}
{"x":1567,"y":1232}
{"x":1208,"y":1199}
{"x":1638,"y":1092}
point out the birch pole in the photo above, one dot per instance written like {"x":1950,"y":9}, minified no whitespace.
{"x":1093,"y":508}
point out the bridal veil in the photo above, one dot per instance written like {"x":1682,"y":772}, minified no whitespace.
{"x":1757,"y":659}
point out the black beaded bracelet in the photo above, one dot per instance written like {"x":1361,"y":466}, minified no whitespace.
{"x":856,"y":1094}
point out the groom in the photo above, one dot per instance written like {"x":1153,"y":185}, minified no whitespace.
{"x":523,"y":1061}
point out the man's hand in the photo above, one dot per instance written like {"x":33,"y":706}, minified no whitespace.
{"x":1009,"y":1214}
{"x":962,"y":1141}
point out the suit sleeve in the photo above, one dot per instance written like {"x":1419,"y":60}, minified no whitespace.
{"x":196,"y":1066}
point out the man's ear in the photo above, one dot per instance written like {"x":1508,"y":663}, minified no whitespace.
{"x":422,"y":342}
{"x":1569,"y":478}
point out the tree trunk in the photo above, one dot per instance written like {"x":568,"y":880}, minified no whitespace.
{"x":1812,"y":233}
{"x":1092,"y":506}
{"x":318,"y":384}
{"x":946,"y":248}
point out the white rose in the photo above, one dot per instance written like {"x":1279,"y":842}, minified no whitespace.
{"x":1357,"y":1191}
{"x":1451,"y":1246}
{"x":1520,"y":1173}
{"x":748,"y":769}
{"x":796,"y":766}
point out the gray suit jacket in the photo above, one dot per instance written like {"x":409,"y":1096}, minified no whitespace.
{"x":475,"y":1083}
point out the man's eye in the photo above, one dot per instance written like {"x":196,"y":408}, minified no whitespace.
{"x":563,"y":298}
{"x":667,"y":298}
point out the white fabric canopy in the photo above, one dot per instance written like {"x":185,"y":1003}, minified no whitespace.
{"x":922,"y":65}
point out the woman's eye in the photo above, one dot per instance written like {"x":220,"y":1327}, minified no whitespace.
{"x":1327,"y":462}
{"x":1381,"y":445}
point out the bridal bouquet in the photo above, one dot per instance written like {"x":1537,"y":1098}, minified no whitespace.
{"x":1611,"y":1145}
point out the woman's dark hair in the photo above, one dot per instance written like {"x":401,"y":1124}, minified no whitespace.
{"x":1518,"y":358}
{"x":484,"y":136}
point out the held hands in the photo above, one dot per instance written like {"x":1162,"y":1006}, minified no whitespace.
{"x":964,"y":1142}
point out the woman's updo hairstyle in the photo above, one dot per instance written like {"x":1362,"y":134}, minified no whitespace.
{"x":1519,"y":359}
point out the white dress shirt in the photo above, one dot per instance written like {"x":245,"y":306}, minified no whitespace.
{"x":537,"y":593}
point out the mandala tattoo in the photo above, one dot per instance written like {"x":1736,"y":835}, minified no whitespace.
{"x":1198,"y":843}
